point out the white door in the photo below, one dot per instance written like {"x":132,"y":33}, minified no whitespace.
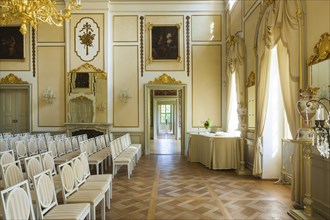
{"x":14,"y":110}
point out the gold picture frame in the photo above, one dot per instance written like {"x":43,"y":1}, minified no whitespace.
{"x":164,"y":42}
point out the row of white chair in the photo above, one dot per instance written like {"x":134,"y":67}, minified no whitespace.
{"x":79,"y":187}
{"x":124,"y":153}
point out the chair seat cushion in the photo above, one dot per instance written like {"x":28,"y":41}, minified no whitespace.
{"x":68,"y":211}
{"x":92,"y":197}
{"x":104,"y":186}
{"x":100,"y":178}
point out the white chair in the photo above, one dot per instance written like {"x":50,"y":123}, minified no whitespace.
{"x":32,"y":147}
{"x":42,"y":145}
{"x":16,"y":202}
{"x":83,"y":185}
{"x":60,"y":147}
{"x":7,"y":157}
{"x":12,"y":173}
{"x":48,"y":164}
{"x":118,"y":161}
{"x":3,"y":145}
{"x":52,"y":147}
{"x":33,"y":167}
{"x":72,"y":195}
{"x":47,"y":205}
{"x":21,"y":151}
{"x":75,"y":143}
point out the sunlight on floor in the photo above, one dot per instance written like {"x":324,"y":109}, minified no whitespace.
{"x":165,"y":144}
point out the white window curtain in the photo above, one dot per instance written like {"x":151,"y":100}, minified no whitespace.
{"x":232,"y":109}
{"x":279,"y":26}
{"x":235,"y":64}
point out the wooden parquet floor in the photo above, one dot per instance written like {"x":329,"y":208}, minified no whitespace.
{"x":169,"y":187}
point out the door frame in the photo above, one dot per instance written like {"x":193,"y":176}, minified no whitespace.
{"x":147,"y":113}
{"x":22,"y":87}
{"x":162,"y":101}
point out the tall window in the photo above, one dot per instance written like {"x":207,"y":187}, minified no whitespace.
{"x":233,"y":116}
{"x":165,"y":114}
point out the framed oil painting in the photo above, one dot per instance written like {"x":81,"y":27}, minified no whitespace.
{"x":11,"y":43}
{"x":164,"y":43}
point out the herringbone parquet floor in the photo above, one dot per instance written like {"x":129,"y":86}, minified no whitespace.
{"x":169,"y":187}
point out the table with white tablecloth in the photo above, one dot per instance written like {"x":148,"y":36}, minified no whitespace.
{"x":215,"y":152}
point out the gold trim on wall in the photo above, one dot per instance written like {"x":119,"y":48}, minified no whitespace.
{"x":12,"y":79}
{"x":321,"y":50}
{"x":165,"y":79}
{"x":87,"y":67}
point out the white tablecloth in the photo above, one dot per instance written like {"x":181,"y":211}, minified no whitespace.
{"x":215,"y":152}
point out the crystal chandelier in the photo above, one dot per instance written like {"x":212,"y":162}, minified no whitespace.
{"x":34,"y":11}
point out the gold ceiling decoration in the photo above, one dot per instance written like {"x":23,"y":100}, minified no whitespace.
{"x":89,"y":68}
{"x":12,"y":79}
{"x":33,"y":12}
{"x":165,"y":79}
{"x":321,"y":50}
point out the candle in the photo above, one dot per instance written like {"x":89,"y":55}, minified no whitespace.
{"x":318,"y":114}
{"x":321,"y":113}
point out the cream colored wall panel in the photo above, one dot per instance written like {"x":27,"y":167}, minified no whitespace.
{"x":47,"y":33}
{"x":247,"y":5}
{"x":101,"y":101}
{"x":206,"y":27}
{"x":125,"y":76}
{"x":164,"y":64}
{"x":51,"y":74}
{"x":206,"y":84}
{"x":125,"y":28}
{"x":75,"y":60}
{"x":317,"y":22}
{"x":249,"y":37}
{"x":19,"y":64}
{"x":236,"y":18}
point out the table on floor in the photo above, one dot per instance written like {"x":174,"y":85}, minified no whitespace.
{"x":215,"y":152}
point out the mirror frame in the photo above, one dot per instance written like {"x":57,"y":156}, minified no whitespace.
{"x":321,"y":53}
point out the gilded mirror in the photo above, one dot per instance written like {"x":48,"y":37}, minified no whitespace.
{"x":87,"y":95}
{"x":319,"y":66}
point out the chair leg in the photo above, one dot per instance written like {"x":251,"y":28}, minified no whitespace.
{"x":108,"y":195}
{"x":103,"y":208}
{"x":97,"y":169}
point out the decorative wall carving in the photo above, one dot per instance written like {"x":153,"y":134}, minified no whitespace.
{"x":12,"y":79}
{"x":165,"y":79}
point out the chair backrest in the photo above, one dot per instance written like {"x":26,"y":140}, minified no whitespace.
{"x":60,"y":147}
{"x":13,"y":143}
{"x":12,"y":173}
{"x":52,"y":147}
{"x":7,"y":157}
{"x":78,"y":171}
{"x":98,"y":141}
{"x":45,"y":191}
{"x":21,"y":150}
{"x":85,"y":137}
{"x":42,"y":145}
{"x":16,"y":202}
{"x":3,"y":145}
{"x":47,"y":160}
{"x":84,"y":160}
{"x":75,"y":143}
{"x":68,"y":181}
{"x":33,"y":166}
{"x":32,"y":147}
{"x":107,"y":140}
{"x":80,"y":138}
{"x":68,"y":144}
{"x":111,"y":136}
{"x":91,"y":146}
{"x":83,"y":146}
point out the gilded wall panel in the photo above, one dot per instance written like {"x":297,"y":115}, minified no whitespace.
{"x":95,"y":43}
{"x":206,"y":84}
{"x":206,"y":28}
{"x":125,"y":81}
{"x":51,"y":75}
{"x":125,"y":28}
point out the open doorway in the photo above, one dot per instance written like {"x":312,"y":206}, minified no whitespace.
{"x":164,"y":119}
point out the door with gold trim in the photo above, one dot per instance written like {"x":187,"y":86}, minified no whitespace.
{"x":14,"y":109}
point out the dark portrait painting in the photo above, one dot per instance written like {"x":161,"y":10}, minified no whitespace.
{"x":165,"y":43}
{"x":82,"y":80}
{"x":11,"y":43}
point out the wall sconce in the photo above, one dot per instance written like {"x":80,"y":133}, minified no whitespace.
{"x":48,"y":95}
{"x":101,"y":107}
{"x":124,"y":95}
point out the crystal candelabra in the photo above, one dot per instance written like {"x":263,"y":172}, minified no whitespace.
{"x":321,"y":129}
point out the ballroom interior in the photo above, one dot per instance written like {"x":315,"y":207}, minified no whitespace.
{"x":225,"y":103}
